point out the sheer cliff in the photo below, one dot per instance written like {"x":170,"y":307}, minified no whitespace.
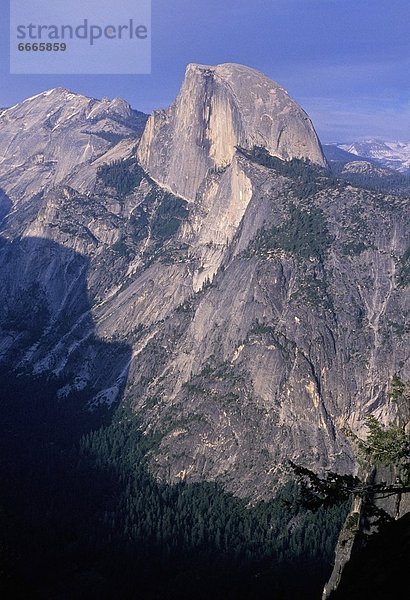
{"x":264,"y":300}
{"x":217,"y":110}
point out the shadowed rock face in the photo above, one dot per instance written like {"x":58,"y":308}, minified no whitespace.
{"x":217,"y":110}
{"x":265,"y":308}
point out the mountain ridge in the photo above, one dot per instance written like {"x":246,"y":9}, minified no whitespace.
{"x":267,"y":298}
{"x":391,"y":154}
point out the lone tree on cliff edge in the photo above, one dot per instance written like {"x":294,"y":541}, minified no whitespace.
{"x":384,"y":446}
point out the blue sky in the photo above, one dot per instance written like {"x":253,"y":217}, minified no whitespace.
{"x":346,"y":61}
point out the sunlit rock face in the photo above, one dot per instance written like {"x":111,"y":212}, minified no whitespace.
{"x":192,"y":148}
{"x":217,"y":110}
{"x":49,"y":137}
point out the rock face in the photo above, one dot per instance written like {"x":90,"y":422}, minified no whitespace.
{"x":262,"y":302}
{"x":192,"y":148}
{"x":48,"y":137}
{"x":217,"y":110}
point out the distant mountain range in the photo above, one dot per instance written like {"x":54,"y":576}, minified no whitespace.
{"x":394,"y":155}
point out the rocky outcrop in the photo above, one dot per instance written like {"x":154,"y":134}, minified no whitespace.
{"x":380,"y":569}
{"x":47,"y":138}
{"x":218,"y":110}
{"x":192,"y":149}
{"x":361,"y":532}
